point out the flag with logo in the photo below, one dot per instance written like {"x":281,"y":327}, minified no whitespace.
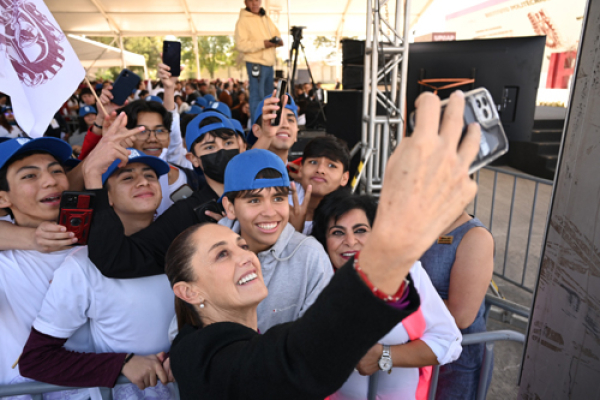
{"x":39,"y":69}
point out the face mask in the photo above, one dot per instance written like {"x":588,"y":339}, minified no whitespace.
{"x":214,"y":164}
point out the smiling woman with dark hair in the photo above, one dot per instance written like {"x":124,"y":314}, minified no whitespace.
{"x":343,"y":224}
{"x":220,"y":355}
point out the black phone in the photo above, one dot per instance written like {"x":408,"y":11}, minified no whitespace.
{"x":172,"y":56}
{"x":124,"y":85}
{"x":76,"y":211}
{"x":480,"y":108}
{"x":211,"y":205}
{"x":281,"y":90}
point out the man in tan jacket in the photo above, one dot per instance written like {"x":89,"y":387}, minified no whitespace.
{"x":256,"y":37}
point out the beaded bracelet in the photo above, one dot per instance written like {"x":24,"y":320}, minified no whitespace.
{"x":378,"y":293}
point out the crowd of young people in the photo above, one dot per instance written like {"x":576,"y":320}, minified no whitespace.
{"x":82,"y":315}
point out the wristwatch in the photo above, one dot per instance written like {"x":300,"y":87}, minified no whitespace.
{"x":385,"y":362}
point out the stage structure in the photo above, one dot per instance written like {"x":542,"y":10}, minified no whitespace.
{"x":385,"y":71}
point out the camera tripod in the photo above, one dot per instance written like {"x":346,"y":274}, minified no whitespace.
{"x":296,"y":32}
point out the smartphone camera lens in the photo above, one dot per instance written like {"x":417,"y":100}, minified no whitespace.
{"x":486,"y":113}
{"x":484,"y":101}
{"x":478,"y":103}
{"x":75,"y":221}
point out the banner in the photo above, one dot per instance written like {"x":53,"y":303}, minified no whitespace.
{"x":38,"y":68}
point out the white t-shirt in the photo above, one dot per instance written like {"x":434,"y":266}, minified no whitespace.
{"x":125,"y":315}
{"x":168,"y":189}
{"x":25,"y":277}
{"x":441,"y":335}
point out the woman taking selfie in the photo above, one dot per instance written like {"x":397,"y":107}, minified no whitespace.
{"x":342,"y":224}
{"x":220,"y":355}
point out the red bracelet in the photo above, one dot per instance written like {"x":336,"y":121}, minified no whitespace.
{"x":378,"y":293}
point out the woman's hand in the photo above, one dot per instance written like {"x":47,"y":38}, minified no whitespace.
{"x":426,"y":187}
{"x":369,"y":364}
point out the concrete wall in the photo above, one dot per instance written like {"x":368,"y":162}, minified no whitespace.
{"x":562,"y":357}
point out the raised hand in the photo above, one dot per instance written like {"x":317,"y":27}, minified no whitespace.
{"x":111,"y":147}
{"x":268,"y":131}
{"x":426,"y":187}
{"x":298,"y":211}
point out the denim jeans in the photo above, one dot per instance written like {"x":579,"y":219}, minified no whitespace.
{"x":259,"y":87}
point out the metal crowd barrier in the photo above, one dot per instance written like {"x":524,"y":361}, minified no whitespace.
{"x":525,"y":219}
{"x":473,"y":338}
{"x":37,"y":389}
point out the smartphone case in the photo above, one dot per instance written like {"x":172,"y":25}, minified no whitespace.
{"x":281,"y":90}
{"x":480,"y":108}
{"x":125,"y":84}
{"x":172,"y":56}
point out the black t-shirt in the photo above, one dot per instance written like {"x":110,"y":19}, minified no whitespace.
{"x":143,"y":253}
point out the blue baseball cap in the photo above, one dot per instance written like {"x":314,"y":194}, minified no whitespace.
{"x":201,"y":102}
{"x":154,"y":98}
{"x":220,"y":107}
{"x":291,"y":105}
{"x":58,"y":148}
{"x":194,"y":110}
{"x":159,"y":166}
{"x":237,"y":126}
{"x":209,"y":99}
{"x":193,"y":132}
{"x":241,"y":171}
{"x":85,"y":110}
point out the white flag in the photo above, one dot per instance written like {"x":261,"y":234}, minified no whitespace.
{"x":38,"y":68}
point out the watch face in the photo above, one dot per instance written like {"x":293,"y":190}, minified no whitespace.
{"x":385,"y":364}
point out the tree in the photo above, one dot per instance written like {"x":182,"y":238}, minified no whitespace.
{"x":149,"y":47}
{"x":214,"y":52}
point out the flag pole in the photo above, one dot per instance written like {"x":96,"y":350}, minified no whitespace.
{"x":96,"y":96}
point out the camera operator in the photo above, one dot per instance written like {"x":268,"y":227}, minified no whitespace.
{"x":256,"y":37}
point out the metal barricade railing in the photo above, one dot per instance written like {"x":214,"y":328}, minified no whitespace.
{"x":489,"y":338}
{"x":473,"y":338}
{"x":518,"y":227}
{"x":37,"y":389}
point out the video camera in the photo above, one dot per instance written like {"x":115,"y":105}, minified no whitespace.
{"x":296,"y":32}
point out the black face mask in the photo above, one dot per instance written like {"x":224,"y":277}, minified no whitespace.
{"x":213,"y":165}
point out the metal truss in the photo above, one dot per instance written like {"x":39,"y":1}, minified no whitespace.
{"x":384,"y":84}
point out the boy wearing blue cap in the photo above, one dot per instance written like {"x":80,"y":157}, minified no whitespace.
{"x":31,"y":183}
{"x":295,"y":267}
{"x":80,"y":296}
{"x":211,"y":142}
{"x":278,"y":139}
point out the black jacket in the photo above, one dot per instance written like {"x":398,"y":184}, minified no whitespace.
{"x":307,"y":359}
{"x":143,"y":253}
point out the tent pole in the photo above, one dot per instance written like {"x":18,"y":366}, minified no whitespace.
{"x":123,"y":64}
{"x":197,"y":55}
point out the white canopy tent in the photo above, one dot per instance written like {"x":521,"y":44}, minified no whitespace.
{"x":119,"y":18}
{"x":99,"y":55}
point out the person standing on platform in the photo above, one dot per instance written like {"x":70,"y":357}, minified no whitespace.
{"x":256,"y":37}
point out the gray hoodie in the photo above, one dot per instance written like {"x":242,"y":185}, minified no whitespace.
{"x":296,"y":269}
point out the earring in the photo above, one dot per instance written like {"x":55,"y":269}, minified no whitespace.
{"x":201,"y":305}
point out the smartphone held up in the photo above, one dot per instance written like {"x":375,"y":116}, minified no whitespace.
{"x":76,"y":210}
{"x":171,"y":56}
{"x":281,"y":90}
{"x":480,"y":108}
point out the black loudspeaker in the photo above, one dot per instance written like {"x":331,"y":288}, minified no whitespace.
{"x":344,"y":119}
{"x":344,"y":115}
{"x":353,"y":51}
{"x":352,"y":76}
